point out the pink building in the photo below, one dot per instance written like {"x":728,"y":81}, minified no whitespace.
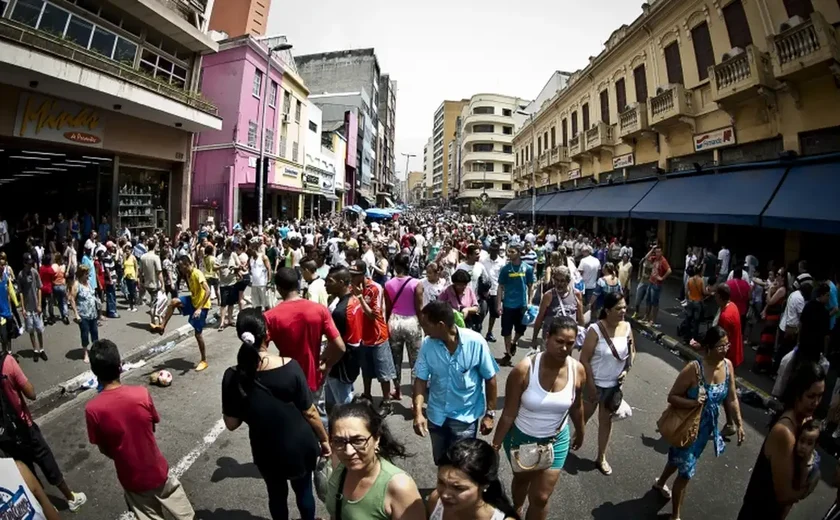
{"x":225,"y":160}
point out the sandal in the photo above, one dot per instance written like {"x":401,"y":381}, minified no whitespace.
{"x":663,"y":490}
{"x":605,"y":468}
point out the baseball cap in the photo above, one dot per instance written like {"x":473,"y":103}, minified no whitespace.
{"x":358,"y":267}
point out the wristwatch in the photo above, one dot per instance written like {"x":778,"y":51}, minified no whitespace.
{"x":491,"y":414}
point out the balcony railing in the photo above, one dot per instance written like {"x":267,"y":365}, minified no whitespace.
{"x":543,"y":163}
{"x":633,"y":121}
{"x":44,"y":42}
{"x":739,"y":76}
{"x":600,"y":136}
{"x":671,"y":105}
{"x":799,"y":49}
{"x":576,"y":146}
{"x":559,"y":155}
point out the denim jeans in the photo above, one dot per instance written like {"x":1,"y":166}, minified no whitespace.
{"x":111,"y":301}
{"x":337,"y":392}
{"x":450,"y":432}
{"x":90,"y":331}
{"x":693,"y":315}
{"x":641,"y":293}
{"x":60,"y":297}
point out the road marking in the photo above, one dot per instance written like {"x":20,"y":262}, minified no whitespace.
{"x":189,"y":459}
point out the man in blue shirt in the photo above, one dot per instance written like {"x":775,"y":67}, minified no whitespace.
{"x":452,"y":365}
{"x":516,"y":285}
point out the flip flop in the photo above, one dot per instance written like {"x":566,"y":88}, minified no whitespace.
{"x":605,"y":468}
{"x":663,"y":490}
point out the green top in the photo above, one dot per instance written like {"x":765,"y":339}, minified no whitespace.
{"x":372,"y":505}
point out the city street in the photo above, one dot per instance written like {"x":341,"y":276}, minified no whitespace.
{"x":216,"y":470}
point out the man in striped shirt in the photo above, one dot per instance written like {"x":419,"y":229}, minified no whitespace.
{"x":529,"y":256}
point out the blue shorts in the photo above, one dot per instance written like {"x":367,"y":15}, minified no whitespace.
{"x":187,"y":309}
{"x":377,"y":362}
{"x":653,"y":293}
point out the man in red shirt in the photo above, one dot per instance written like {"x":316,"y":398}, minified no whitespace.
{"x":296,"y":326}
{"x":729,"y":320}
{"x":661,"y":271}
{"x":376,"y":358}
{"x":121,"y":422}
{"x":349,"y":320}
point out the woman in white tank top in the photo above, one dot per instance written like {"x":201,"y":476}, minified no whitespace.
{"x":543,"y":392}
{"x":468,"y":485}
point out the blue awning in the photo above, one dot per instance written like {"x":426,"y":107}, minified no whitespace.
{"x":736,"y":197}
{"x":563,"y":202}
{"x":614,"y":201}
{"x":510,"y":206}
{"x":806,"y":200}
{"x":544,"y":202}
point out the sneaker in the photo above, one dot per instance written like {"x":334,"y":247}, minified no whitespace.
{"x":201,"y":366}
{"x":78,"y":501}
{"x":43,"y":355}
{"x":386,"y":408}
{"x":36,"y":356}
{"x":490,"y":338}
{"x":504,"y":361}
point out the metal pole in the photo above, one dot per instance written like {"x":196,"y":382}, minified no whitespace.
{"x":533,"y":175}
{"x":261,"y":165}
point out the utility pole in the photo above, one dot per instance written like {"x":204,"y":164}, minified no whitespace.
{"x":261,"y":168}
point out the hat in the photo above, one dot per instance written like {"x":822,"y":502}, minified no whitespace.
{"x":358,"y":267}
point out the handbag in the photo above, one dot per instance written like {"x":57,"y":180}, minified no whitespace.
{"x":612,"y":401}
{"x":339,"y":494}
{"x":581,"y":332}
{"x":680,"y":426}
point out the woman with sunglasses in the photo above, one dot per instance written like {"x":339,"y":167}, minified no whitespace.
{"x":366,"y":485}
{"x":717,"y":376}
{"x":558,"y":301}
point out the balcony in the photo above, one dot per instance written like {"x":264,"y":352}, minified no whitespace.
{"x":672,"y":105}
{"x":543,"y":161}
{"x":805,"y":50}
{"x":633,"y":122}
{"x":600,"y":137}
{"x":491,"y":193}
{"x":576,"y":147}
{"x":486,"y":137}
{"x":486,"y":177}
{"x":559,"y":155}
{"x":741,"y":76}
{"x":498,"y":157}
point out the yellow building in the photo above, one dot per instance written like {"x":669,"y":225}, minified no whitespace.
{"x":444,"y":125}
{"x":294,"y":121}
{"x":690,"y":86}
{"x":414,"y":187}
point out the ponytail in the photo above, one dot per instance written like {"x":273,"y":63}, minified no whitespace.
{"x":250,"y":326}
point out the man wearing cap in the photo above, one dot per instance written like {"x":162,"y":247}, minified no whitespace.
{"x":375,"y":354}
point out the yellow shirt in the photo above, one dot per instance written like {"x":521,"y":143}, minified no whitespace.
{"x":130,"y":267}
{"x":196,"y":284}
{"x":209,"y":265}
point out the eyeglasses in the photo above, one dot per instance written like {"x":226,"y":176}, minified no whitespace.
{"x":358,"y":443}
{"x":724,"y":345}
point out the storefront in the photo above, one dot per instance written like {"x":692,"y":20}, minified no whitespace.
{"x":62,"y":157}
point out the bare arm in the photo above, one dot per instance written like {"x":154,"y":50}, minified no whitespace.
{"x":576,"y":412}
{"x":545,"y":301}
{"x":491,"y":391}
{"x":517,"y":381}
{"x":332,"y":354}
{"x":779,"y":449}
{"x":418,"y":301}
{"x":34,"y":485}
{"x":402,"y":501}
{"x":586,"y":354}
{"x":314,"y":419}
{"x":686,"y":379}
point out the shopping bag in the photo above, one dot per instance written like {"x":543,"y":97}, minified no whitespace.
{"x":624,"y":412}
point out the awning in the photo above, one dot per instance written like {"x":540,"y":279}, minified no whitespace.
{"x":508,"y":208}
{"x":542,"y":201}
{"x":614,"y":201}
{"x":806,"y":200}
{"x":353,"y":208}
{"x":563,"y":202}
{"x":388,"y":201}
{"x":329,"y":195}
{"x":724,"y":198}
{"x":516,"y":205}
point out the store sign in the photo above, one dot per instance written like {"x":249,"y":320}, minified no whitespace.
{"x":311,"y":179}
{"x":574,"y":174}
{"x":714,"y":139}
{"x":49,"y":119}
{"x":291,"y":172}
{"x":623,"y":161}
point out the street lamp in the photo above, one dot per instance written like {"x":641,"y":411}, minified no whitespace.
{"x":285,"y":46}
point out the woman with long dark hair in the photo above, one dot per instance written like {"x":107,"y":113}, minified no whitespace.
{"x":270,"y":394}
{"x":771,"y":491}
{"x":366,"y":485}
{"x":775,"y":297}
{"x":468,"y":485}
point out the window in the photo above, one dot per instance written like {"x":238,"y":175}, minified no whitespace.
{"x":545,"y":141}
{"x":160,"y":67}
{"x":507,"y":168}
{"x":574,"y":124}
{"x":28,"y":11}
{"x":313,"y":127}
{"x":484,"y":110}
{"x":673,"y":63}
{"x":272,"y":95}
{"x":507,"y":148}
{"x":605,"y":106}
{"x":507,"y":130}
{"x":703,"y":50}
{"x":564,"y":128}
{"x":269,"y":140}
{"x":506,"y":186}
{"x":54,"y":20}
{"x":294,"y":151}
{"x":483,"y":147}
{"x":539,"y":147}
{"x":282,"y":144}
{"x":103,"y":42}
{"x":640,"y":81}
{"x":287,"y":102}
{"x":3,"y":4}
{"x":252,"y":134}
{"x":298,"y":110}
{"x":553,"y":137}
{"x":737,"y":25}
{"x":620,"y":96}
{"x":256,"y":88}
{"x":585,"y":111}
{"x":483,"y":129}
{"x":802,"y":8}
{"x":78,"y":31}
{"x":507,"y":112}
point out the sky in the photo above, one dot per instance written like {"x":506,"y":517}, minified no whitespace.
{"x":453,"y":49}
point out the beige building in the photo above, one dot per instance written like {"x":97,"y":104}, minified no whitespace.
{"x":694,"y":87}
{"x":444,"y":124}
{"x":486,"y":148}
{"x":414,"y":187}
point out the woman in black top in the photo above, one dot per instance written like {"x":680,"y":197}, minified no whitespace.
{"x":271,"y":395}
{"x":771,"y":492}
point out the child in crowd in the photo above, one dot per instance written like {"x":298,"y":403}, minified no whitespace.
{"x":807,"y":468}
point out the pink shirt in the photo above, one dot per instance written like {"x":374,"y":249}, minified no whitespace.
{"x":467,"y":299}
{"x":404,"y":306}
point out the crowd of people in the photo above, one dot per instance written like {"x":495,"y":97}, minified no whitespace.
{"x":318,"y":304}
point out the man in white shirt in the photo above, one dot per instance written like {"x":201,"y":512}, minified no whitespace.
{"x":723,"y":258}
{"x":493,"y":264}
{"x":789,"y":324}
{"x":316,"y":290}
{"x":530,"y":237}
{"x":421,"y":241}
{"x":474,"y":267}
{"x":588,"y":268}
{"x":626,"y":250}
{"x":369,"y":257}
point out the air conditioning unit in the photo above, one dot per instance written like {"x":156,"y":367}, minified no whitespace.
{"x":793,"y":21}
{"x":285,"y":119}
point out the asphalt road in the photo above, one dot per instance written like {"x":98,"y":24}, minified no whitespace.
{"x":216,"y":470}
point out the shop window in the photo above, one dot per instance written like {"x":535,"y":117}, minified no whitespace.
{"x":143,"y":199}
{"x":766,"y":150}
{"x":737,"y":25}
{"x":673,"y":63}
{"x":27,"y":12}
{"x":826,"y":140}
{"x":256,"y":87}
{"x":295,"y":151}
{"x":252,"y":134}
{"x":703,"y":50}
{"x":802,"y":8}
{"x":686,"y":162}
{"x":605,"y":106}
{"x":640,"y":81}
{"x":620,"y":96}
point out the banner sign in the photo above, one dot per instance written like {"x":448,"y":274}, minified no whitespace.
{"x":50,"y":119}
{"x":574,"y":174}
{"x":714,"y":139}
{"x":623,"y":161}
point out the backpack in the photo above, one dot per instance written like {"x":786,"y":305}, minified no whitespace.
{"x":12,"y":428}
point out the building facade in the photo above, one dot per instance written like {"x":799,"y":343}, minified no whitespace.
{"x":101,"y":103}
{"x":237,"y":17}
{"x":443,"y":133}
{"x":226,"y":160}
{"x":415,"y":187}
{"x":428,"y":168}
{"x":387,"y":117}
{"x":690,"y":88}
{"x":485,"y":149}
{"x":323,"y":167}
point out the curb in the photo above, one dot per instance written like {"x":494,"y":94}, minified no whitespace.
{"x":686,"y":352}
{"x":160,"y":344}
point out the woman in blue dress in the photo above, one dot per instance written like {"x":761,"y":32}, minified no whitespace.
{"x":716,"y":377}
